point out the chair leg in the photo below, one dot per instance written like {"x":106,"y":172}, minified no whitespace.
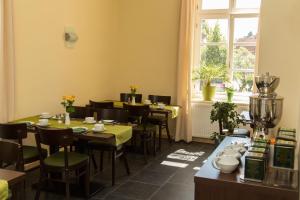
{"x":159,"y":137}
{"x":113,"y":167}
{"x":101,"y":160}
{"x":125,"y":162}
{"x":67,"y":185}
{"x":39,"y":187}
{"x":94,"y":161}
{"x":154,"y":143}
{"x":168,"y":132}
{"x":145,"y":148}
{"x":87,"y":181}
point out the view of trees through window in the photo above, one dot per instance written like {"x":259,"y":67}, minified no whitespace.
{"x":229,"y":43}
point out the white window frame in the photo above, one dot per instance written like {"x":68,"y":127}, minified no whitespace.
{"x":230,"y":14}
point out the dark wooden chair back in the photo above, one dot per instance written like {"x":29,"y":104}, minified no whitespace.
{"x":10,"y":154}
{"x":59,"y":137}
{"x":163,"y":99}
{"x":119,"y":115}
{"x":13,"y":132}
{"x":138,"y":112}
{"x":125,"y":96}
{"x":80,"y":112}
{"x":54,"y":137}
{"x":95,"y":104}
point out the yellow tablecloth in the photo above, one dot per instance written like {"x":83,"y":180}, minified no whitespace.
{"x":122,"y":133}
{"x":173,"y":109}
{"x":3,"y":190}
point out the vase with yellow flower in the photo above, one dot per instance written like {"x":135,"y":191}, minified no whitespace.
{"x":133,"y":90}
{"x":67,"y":102}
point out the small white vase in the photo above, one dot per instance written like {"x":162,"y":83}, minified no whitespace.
{"x":133,"y":100}
{"x":67,"y":118}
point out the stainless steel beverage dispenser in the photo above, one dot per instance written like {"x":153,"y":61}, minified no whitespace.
{"x":265,"y":108}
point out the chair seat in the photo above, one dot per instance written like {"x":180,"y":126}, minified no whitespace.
{"x":58,"y":160}
{"x":157,"y":119}
{"x":140,"y":128}
{"x":31,"y":154}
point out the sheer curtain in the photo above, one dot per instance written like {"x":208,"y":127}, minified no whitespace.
{"x":7,"y":65}
{"x":187,"y":23}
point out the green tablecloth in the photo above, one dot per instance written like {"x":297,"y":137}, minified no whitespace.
{"x":122,"y":133}
{"x":173,"y":109}
{"x":3,"y":190}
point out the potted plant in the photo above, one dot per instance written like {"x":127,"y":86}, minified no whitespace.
{"x":230,"y":92}
{"x":226,"y":115}
{"x":67,"y":102}
{"x":207,"y":74}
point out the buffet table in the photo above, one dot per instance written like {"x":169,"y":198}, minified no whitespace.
{"x":211,"y":184}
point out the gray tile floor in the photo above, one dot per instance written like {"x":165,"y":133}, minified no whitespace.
{"x":146,"y":181}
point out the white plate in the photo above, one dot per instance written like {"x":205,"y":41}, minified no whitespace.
{"x":91,"y":122}
{"x":93,"y":129}
{"x":107,"y":121}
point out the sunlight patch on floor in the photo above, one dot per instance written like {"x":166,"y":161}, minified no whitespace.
{"x":174,"y":164}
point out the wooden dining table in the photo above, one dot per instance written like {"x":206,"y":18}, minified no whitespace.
{"x":15,"y":180}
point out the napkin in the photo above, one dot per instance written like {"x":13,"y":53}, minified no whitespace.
{"x":3,"y":190}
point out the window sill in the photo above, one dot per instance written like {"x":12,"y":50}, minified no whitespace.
{"x":201,"y":101}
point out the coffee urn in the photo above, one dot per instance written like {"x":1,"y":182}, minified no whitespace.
{"x":265,"y":108}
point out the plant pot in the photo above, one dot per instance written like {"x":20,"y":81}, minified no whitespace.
{"x":208,"y":92}
{"x":229,"y":96}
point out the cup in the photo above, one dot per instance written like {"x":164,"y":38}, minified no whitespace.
{"x":161,"y":105}
{"x":43,"y":122}
{"x":147,"y":102}
{"x":99,"y":127}
{"x":89,"y":119}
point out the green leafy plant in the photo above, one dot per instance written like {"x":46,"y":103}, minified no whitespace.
{"x":209,"y":73}
{"x":226,"y":115}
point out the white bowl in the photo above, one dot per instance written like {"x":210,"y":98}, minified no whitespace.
{"x":232,"y":152}
{"x":226,"y":164}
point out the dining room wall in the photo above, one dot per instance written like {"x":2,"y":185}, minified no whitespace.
{"x":147,"y":47}
{"x":46,"y":69}
{"x":279,"y":53}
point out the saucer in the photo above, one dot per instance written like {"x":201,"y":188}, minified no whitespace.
{"x":108,"y":121}
{"x":45,"y":116}
{"x":91,"y":122}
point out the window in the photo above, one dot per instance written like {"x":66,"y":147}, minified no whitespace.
{"x":226,"y":38}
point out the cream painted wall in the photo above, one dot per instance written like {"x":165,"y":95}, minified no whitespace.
{"x":45,"y":69}
{"x":279,"y":53}
{"x":147,"y":45}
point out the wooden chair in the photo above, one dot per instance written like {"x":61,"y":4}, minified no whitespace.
{"x":80,"y":112}
{"x":120,"y":116}
{"x":145,"y":130}
{"x":160,"y":119}
{"x":125,"y":96}
{"x":10,"y":154}
{"x":63,"y":161}
{"x":17,"y":132}
{"x":160,"y":99}
{"x":97,"y":105}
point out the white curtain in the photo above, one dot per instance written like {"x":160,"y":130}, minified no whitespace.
{"x":187,"y":23}
{"x":7,"y":65}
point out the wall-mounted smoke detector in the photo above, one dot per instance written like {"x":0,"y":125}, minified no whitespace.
{"x":70,"y":37}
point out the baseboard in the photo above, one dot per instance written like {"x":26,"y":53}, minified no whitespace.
{"x":203,"y":140}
